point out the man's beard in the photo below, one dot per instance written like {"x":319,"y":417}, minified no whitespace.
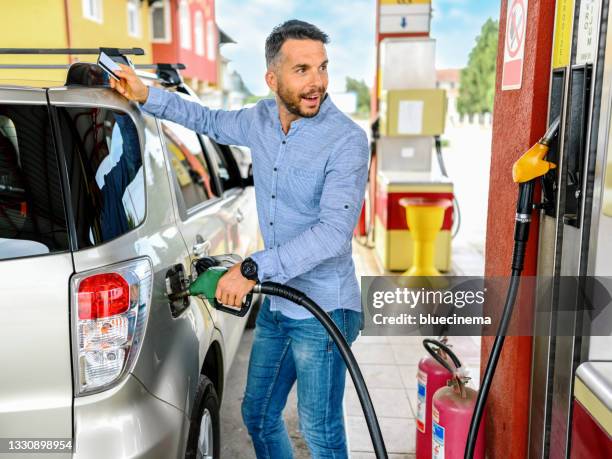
{"x":292,"y":102}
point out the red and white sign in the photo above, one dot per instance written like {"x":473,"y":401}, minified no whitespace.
{"x":514,"y":44}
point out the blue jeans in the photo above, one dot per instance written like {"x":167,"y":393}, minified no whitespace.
{"x":286,"y":350}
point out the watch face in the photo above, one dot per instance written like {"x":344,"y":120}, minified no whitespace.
{"x":249,"y":269}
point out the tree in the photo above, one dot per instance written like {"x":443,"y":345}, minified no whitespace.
{"x":477,"y":81}
{"x":363,"y":94}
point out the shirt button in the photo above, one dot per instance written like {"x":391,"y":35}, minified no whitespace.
{"x":273,"y":196}
{"x":271,"y":223}
{"x":275,"y":169}
{"x":284,"y":142}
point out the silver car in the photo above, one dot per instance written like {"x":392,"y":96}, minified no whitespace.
{"x":102,"y":211}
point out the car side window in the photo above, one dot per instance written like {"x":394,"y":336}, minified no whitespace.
{"x":189,"y":164}
{"x":32,"y":216}
{"x":102,"y":149}
{"x":223,"y":157}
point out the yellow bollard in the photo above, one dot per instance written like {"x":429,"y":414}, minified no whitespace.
{"x":424,"y":217}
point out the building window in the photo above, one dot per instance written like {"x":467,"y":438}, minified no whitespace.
{"x":92,"y":9}
{"x":160,"y":21}
{"x":211,"y":39}
{"x":185,"y":24}
{"x":198,"y":32}
{"x":133,"y":16}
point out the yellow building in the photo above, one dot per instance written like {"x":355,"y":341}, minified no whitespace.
{"x":70,"y":24}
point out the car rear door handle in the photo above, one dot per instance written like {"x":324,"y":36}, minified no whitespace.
{"x":201,"y":249}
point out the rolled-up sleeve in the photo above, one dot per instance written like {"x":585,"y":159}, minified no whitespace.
{"x":224,"y":126}
{"x":341,"y":201}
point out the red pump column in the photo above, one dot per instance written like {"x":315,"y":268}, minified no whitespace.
{"x":519,"y":120}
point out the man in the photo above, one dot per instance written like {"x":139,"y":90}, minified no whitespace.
{"x":310,"y":165}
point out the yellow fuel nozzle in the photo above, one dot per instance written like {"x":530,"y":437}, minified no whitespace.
{"x":531,"y":164}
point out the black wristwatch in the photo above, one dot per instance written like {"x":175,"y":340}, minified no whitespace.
{"x":248,"y":269}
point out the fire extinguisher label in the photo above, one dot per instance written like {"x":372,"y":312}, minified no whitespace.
{"x":437,"y":443}
{"x":421,"y":401}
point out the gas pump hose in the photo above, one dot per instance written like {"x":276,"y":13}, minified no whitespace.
{"x":291,"y":294}
{"x":211,"y":268}
{"x":525,"y":171}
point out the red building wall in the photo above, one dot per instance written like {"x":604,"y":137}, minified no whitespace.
{"x":204,"y":68}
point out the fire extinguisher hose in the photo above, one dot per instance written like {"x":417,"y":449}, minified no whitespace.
{"x":427,"y":343}
{"x":291,"y":294}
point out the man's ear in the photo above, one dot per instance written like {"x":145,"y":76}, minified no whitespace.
{"x":272,"y":80}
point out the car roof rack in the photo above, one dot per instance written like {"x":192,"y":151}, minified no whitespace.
{"x":109,"y":51}
{"x":177,"y":66}
{"x":117,"y":54}
{"x":168,"y":73}
{"x":156,"y":67}
{"x":35,"y":66}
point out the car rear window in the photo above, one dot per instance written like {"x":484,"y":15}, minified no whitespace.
{"x":104,"y":162}
{"x":32,"y":215}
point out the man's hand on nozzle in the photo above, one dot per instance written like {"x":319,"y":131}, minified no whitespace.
{"x":129,"y":86}
{"x":233,"y":287}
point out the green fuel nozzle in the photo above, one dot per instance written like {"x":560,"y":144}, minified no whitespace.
{"x":210,"y":270}
{"x":205,"y":284}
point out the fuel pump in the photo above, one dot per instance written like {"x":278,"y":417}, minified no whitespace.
{"x":574,"y":228}
{"x":529,"y":167}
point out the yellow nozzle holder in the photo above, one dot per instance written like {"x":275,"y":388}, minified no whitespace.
{"x":532,"y":164}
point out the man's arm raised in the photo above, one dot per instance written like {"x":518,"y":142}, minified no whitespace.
{"x":226,"y":127}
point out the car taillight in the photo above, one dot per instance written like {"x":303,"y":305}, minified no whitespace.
{"x":112,"y":307}
{"x":103,"y":295}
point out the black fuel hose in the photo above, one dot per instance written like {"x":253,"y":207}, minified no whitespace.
{"x":299,"y":298}
{"x":521,"y":233}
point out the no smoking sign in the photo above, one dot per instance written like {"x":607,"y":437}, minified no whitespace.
{"x":514,"y":45}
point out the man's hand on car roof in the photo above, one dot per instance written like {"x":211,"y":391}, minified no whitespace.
{"x":129,"y":85}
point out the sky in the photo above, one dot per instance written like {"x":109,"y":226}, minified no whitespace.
{"x":351,"y":27}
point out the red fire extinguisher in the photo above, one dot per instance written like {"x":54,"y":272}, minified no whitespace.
{"x":451,"y":411}
{"x":431,"y":376}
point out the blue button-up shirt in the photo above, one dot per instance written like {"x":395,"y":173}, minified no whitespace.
{"x":309,"y":187}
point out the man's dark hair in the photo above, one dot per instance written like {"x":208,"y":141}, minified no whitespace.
{"x":293,"y":29}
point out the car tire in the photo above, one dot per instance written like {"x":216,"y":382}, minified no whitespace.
{"x":204,"y":423}
{"x":257,"y":300}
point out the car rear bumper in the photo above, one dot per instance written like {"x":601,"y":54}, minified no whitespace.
{"x":128,"y":422}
